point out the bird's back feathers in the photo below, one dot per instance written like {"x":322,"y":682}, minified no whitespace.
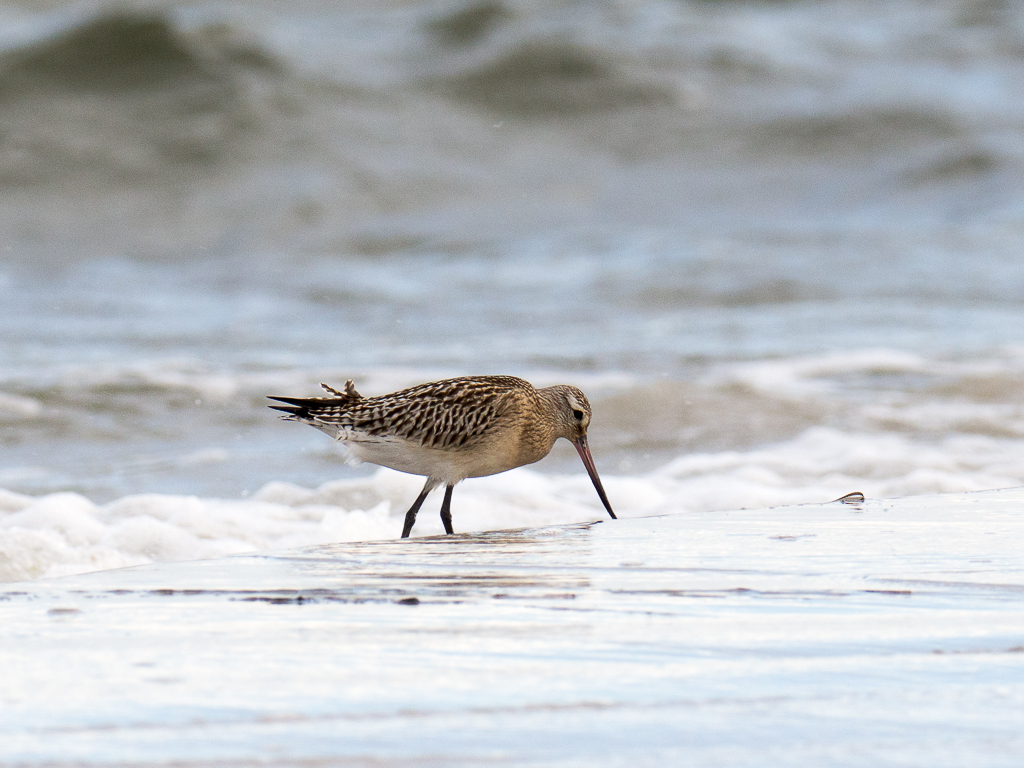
{"x":449,"y":414}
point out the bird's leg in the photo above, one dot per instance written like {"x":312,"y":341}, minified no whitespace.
{"x":410,"y":516}
{"x":446,"y":509}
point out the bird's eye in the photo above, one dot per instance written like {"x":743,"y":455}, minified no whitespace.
{"x":578,"y":415}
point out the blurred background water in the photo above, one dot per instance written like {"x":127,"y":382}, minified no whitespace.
{"x":780,"y":241}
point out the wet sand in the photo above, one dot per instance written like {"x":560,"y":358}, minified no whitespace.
{"x":879,"y":634}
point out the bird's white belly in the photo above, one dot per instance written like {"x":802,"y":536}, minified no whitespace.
{"x":447,"y":466}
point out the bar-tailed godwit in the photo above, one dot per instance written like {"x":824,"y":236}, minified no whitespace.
{"x":453,"y":429}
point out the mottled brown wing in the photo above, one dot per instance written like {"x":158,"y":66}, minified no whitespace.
{"x":453,"y":413}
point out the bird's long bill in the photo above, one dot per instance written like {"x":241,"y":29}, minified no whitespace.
{"x":588,"y":461}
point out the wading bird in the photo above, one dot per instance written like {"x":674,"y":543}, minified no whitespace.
{"x":453,"y":429}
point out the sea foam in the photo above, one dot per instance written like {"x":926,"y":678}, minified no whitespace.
{"x":66,"y":533}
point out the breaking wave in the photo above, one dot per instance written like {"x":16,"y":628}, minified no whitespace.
{"x":127,"y":96}
{"x":65,"y":533}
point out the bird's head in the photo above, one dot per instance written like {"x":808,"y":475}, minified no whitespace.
{"x":572,"y":412}
{"x":572,"y":417}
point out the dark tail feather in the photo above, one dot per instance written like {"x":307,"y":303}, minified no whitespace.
{"x":286,"y":409}
{"x":307,"y":408}
{"x":296,"y":408}
{"x":290,"y":400}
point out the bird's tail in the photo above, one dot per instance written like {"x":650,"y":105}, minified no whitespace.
{"x":302,"y":408}
{"x":296,"y":409}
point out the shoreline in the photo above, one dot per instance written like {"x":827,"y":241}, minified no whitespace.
{"x":883,"y":633}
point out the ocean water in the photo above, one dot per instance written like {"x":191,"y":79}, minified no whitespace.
{"x":778,"y":245}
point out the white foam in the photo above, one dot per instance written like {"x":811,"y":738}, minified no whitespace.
{"x":816,"y":375}
{"x":18,"y":408}
{"x":13,"y":502}
{"x":809,"y":375}
{"x":65,"y":533}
